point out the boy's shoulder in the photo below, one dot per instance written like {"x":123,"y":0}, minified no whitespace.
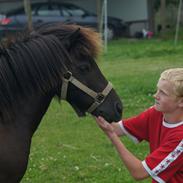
{"x":175,"y":131}
{"x":153,"y":112}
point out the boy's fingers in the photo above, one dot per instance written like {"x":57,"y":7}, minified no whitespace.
{"x":98,"y":119}
{"x":101,"y":122}
{"x":101,"y":119}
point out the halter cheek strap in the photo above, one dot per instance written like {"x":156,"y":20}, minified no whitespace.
{"x":98,"y":97}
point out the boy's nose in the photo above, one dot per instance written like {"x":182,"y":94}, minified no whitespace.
{"x":155,"y":95}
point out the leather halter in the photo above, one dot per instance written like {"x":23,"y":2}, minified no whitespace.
{"x":98,"y":97}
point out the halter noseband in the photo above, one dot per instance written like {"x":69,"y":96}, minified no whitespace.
{"x":98,"y":97}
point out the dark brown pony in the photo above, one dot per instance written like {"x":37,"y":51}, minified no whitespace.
{"x":54,"y":60}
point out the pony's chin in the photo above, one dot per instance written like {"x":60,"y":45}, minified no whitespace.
{"x":107,"y":117}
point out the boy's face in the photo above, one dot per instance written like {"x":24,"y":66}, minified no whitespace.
{"x":165,"y":98}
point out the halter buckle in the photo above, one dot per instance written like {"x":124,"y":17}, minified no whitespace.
{"x":99,"y":98}
{"x":67,"y":75}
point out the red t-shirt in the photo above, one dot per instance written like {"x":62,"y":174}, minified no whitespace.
{"x":165,"y":161}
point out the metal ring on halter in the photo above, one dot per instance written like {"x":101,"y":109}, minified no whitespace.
{"x":67,"y":75}
{"x":98,"y":100}
{"x":65,"y":82}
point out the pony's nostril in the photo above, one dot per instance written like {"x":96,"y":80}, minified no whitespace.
{"x":100,"y":113}
{"x":118,"y":108}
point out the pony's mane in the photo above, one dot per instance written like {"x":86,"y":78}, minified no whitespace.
{"x":88,"y":40}
{"x":34,"y":62}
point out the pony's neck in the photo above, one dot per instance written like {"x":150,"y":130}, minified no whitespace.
{"x":32,"y":111}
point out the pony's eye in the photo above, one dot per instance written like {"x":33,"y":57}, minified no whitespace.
{"x":84,"y":68}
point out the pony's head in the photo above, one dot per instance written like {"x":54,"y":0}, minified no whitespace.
{"x":83,"y":84}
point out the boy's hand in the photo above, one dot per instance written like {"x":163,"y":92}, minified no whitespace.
{"x":109,"y":128}
{"x":105,"y":126}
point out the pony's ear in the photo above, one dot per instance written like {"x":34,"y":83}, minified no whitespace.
{"x":72,"y":39}
{"x":75,"y":34}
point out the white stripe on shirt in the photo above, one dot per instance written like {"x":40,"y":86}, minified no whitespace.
{"x":164,"y":163}
{"x":169,"y":159}
{"x":127,"y":133}
{"x":155,"y":177}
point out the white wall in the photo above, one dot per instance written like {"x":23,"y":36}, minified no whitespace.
{"x":128,"y":10}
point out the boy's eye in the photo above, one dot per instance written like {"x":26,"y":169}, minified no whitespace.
{"x":162,"y":92}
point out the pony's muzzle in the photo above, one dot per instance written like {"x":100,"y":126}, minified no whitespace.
{"x":114,"y":114}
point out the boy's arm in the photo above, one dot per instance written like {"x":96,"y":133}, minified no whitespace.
{"x":133,"y":164}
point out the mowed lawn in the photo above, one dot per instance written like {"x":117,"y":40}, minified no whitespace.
{"x":68,"y":149}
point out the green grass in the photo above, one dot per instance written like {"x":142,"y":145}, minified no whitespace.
{"x":67,"y":149}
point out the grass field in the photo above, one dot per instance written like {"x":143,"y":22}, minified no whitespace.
{"x":67,"y":149}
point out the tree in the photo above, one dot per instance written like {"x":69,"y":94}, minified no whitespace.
{"x":161,"y":5}
{"x":158,"y":2}
{"x":27,"y":7}
{"x":163,"y":15}
{"x":151,"y":15}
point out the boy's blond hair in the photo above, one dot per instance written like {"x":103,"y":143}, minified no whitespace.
{"x":175,"y":76}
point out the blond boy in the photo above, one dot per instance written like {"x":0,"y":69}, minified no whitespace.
{"x":162,"y":126}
